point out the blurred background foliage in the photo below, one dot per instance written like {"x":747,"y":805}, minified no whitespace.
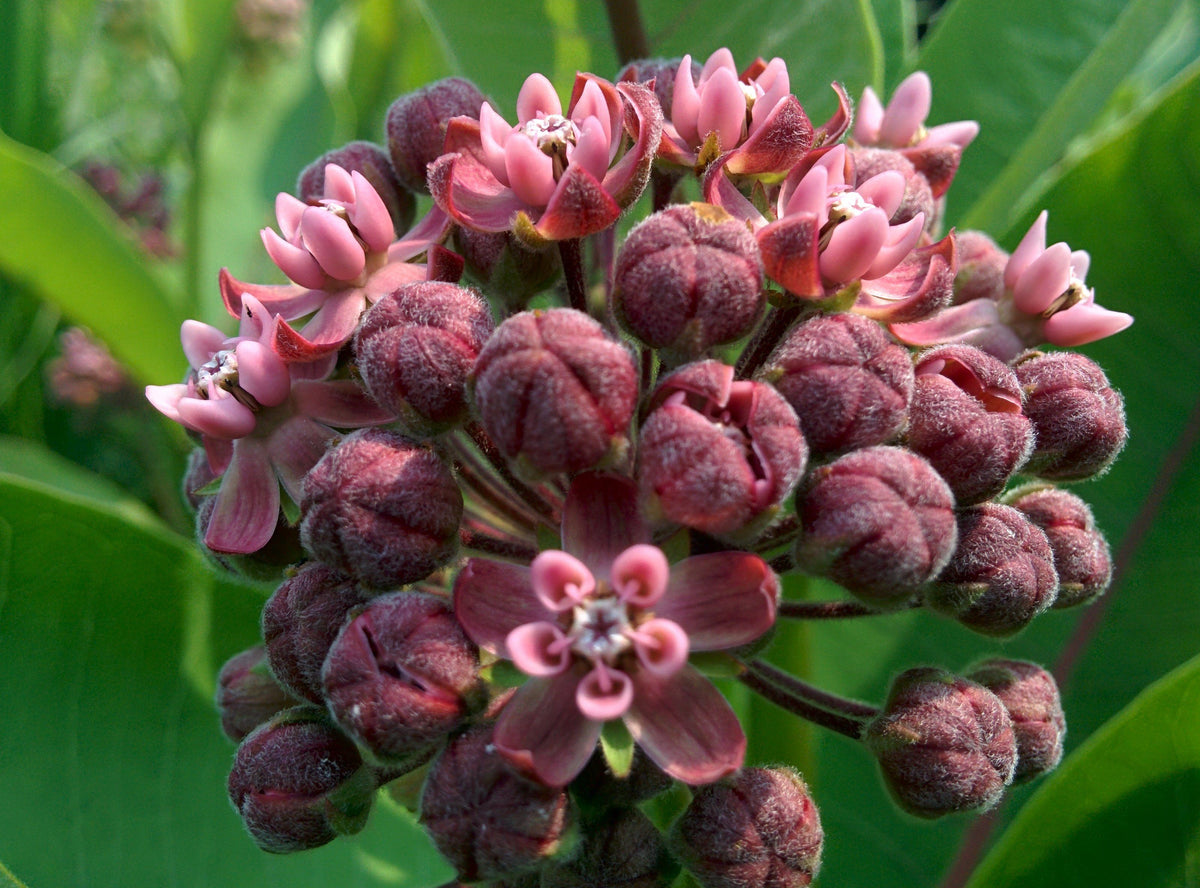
{"x":141,"y":145}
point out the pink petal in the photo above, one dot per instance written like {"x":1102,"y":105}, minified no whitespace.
{"x":327,"y":331}
{"x":685,"y":726}
{"x":247,"y":506}
{"x":837,"y":124}
{"x":339,"y":185}
{"x":560,"y":580}
{"x":222,"y":417}
{"x":640,"y":574}
{"x":901,"y":240}
{"x":294,"y":448}
{"x":592,"y":105}
{"x":722,"y":109}
{"x":394,"y":275}
{"x":537,"y":96}
{"x":200,"y":342}
{"x":1084,"y":323}
{"x":370,"y":214}
{"x":539,"y":649}
{"x":288,"y":210}
{"x":720,"y":191}
{"x":775,"y":85}
{"x":289,"y":301}
{"x":1080,"y":262}
{"x":262,"y":373}
{"x":685,"y":104}
{"x":885,"y":190}
{"x":332,"y":244}
{"x":601,"y":520}
{"x":165,"y":399}
{"x":720,"y":60}
{"x":907,"y":110}
{"x":661,"y":647}
{"x":341,"y":403}
{"x":961,"y":133}
{"x":869,"y":117}
{"x":721,"y":599}
{"x":853,"y":246}
{"x":1032,"y":245}
{"x":465,"y":189}
{"x":530,"y":172}
{"x":1043,"y":280}
{"x":776,"y":142}
{"x":604,"y":693}
{"x":627,"y":178}
{"x":297,"y":263}
{"x":591,"y":149}
{"x":219,"y":452}
{"x":492,"y":598}
{"x":542,"y":732}
{"x":580,"y":206}
{"x":834,"y":161}
{"x":808,"y":195}
{"x":921,"y":284}
{"x":493,"y":135}
{"x":431,"y":228}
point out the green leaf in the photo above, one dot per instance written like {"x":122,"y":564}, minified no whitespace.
{"x":199,"y":33}
{"x":62,"y":241}
{"x":110,"y":751}
{"x":25,"y":106}
{"x":1124,"y":809}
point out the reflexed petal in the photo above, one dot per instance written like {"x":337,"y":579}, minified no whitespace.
{"x":580,"y":206}
{"x":835,"y":127}
{"x":492,"y":598}
{"x":685,"y":104}
{"x":789,"y":250}
{"x":219,"y":452}
{"x":430,"y":229}
{"x":297,"y":263}
{"x":537,"y":96}
{"x":604,"y":693}
{"x":853,"y":246}
{"x":165,"y":399}
{"x":601,"y":520}
{"x":262,"y":373}
{"x":1084,"y":323}
{"x":221,"y":417}
{"x":200,"y":342}
{"x":289,"y":301}
{"x":326,"y":331}
{"x":868,"y":118}
{"x":685,"y":726}
{"x":721,"y":599}
{"x":722,"y":109}
{"x":661,"y":646}
{"x":560,"y":580}
{"x":777,"y":142}
{"x":332,"y":244}
{"x":640,"y":574}
{"x":341,"y":403}
{"x":394,"y":275}
{"x":1032,"y":245}
{"x":542,"y":732}
{"x":907,"y":110}
{"x":539,"y":649}
{"x":921,"y":284}
{"x":294,"y":448}
{"x":1043,"y":280}
{"x":247,"y":506}
{"x":466,"y":190}
{"x":627,"y":178}
{"x":530,"y":172}
{"x":370,"y":214}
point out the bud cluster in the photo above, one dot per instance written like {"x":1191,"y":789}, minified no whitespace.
{"x":527,"y":521}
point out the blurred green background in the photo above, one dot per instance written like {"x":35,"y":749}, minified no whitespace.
{"x":142,"y":144}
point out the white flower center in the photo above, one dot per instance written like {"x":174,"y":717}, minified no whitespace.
{"x":599,"y":628}
{"x":221,"y":371}
{"x":552,"y":133}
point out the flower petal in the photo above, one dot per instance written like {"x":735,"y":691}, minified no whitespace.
{"x":539,"y":649}
{"x":165,"y":399}
{"x":530,"y":171}
{"x":296,"y":262}
{"x":868,"y":118}
{"x":1032,"y":245}
{"x":370,"y":214}
{"x":294,"y":448}
{"x":720,"y":599}
{"x":466,"y":190}
{"x":685,"y":104}
{"x":247,"y":507}
{"x":790,"y":254}
{"x":262,"y":373}
{"x":341,"y":403}
{"x":329,"y":238}
{"x":853,"y":246}
{"x":1043,"y":280}
{"x":777,"y":142}
{"x":537,"y":96}
{"x":1084,"y":323}
{"x":492,"y":598}
{"x":601,"y":520}
{"x":542,"y":732}
{"x":580,"y":206}
{"x":685,"y":726}
{"x":222,"y":417}
{"x":289,"y":301}
{"x":560,"y":580}
{"x":640,"y":574}
{"x":907,"y":110}
{"x":604,"y":693}
{"x":661,"y":646}
{"x":326,"y":331}
{"x":722,"y":109}
{"x":200,"y":342}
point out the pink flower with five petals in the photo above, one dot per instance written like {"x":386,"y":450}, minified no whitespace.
{"x":604,"y":630}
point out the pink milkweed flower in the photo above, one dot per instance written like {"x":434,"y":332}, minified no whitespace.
{"x":342,"y":256}
{"x":604,"y":629}
{"x":753,"y":115}
{"x":552,"y":176}
{"x":262,"y":424}
{"x":934,"y":151}
{"x":1045,"y":299}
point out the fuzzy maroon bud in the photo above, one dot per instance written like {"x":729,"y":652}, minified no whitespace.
{"x":301,"y":620}
{"x":554,"y":391}
{"x":848,"y":381}
{"x":718,"y":454}
{"x":1082,"y":558}
{"x":372,"y":162}
{"x":401,"y":675}
{"x":756,"y":829}
{"x":381,"y":508}
{"x":918,"y":196}
{"x":1001,"y":575}
{"x":879,"y":521}
{"x":299,"y":783}
{"x":944,"y":744}
{"x":416,"y":125}
{"x":247,"y":693}
{"x":966,"y":420}
{"x":486,"y":820}
{"x":980,"y":268}
{"x":1030,"y":695}
{"x":688,"y":278}
{"x":1078,"y":417}
{"x":662,"y":72}
{"x":415,"y":348}
{"x":620,"y":849}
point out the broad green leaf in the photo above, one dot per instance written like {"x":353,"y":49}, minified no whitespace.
{"x":897,"y":21}
{"x":113,"y":764}
{"x":1123,"y":809}
{"x":62,"y":241}
{"x":25,"y":106}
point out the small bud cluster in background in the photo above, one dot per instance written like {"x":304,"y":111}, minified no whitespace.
{"x":525,"y":486}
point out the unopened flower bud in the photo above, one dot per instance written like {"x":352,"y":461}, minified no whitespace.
{"x":688,"y":278}
{"x":1001,"y":575}
{"x":375,"y":166}
{"x":401,"y":675}
{"x":1078,"y":417}
{"x":301,"y":620}
{"x":718,"y":454}
{"x":944,"y":744}
{"x":1082,"y":558}
{"x":849,"y":383}
{"x":756,"y":829}
{"x":662,"y":72}
{"x":966,"y":420}
{"x":247,"y":693}
{"x":415,"y":348}
{"x":1030,"y":695}
{"x":299,"y":783}
{"x":981,"y":266}
{"x":554,"y":391}
{"x":416,"y":125}
{"x":381,"y":508}
{"x":918,"y":196}
{"x":622,"y":849}
{"x":486,"y":820}
{"x":879,"y":521}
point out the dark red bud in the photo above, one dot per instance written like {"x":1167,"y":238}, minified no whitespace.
{"x":944,"y":744}
{"x":1001,"y":575}
{"x":415,"y":348}
{"x":1078,"y":417}
{"x":1030,"y":695}
{"x":918,"y":196}
{"x":849,"y":383}
{"x":554,"y":391}
{"x":620,"y":849}
{"x":1081,"y":555}
{"x":381,"y":508}
{"x":416,"y":125}
{"x":299,"y":783}
{"x":756,"y":829}
{"x":373,"y":163}
{"x":879,"y":521}
{"x":401,"y":675}
{"x":980,"y":268}
{"x":247,"y":693}
{"x":597,"y":784}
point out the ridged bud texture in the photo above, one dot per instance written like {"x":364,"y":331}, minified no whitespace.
{"x":1082,"y":558}
{"x":416,"y":125}
{"x":1030,"y":695}
{"x":247,"y":694}
{"x":375,"y":166}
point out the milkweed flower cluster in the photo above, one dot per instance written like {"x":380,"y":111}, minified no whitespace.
{"x":524,"y":546}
